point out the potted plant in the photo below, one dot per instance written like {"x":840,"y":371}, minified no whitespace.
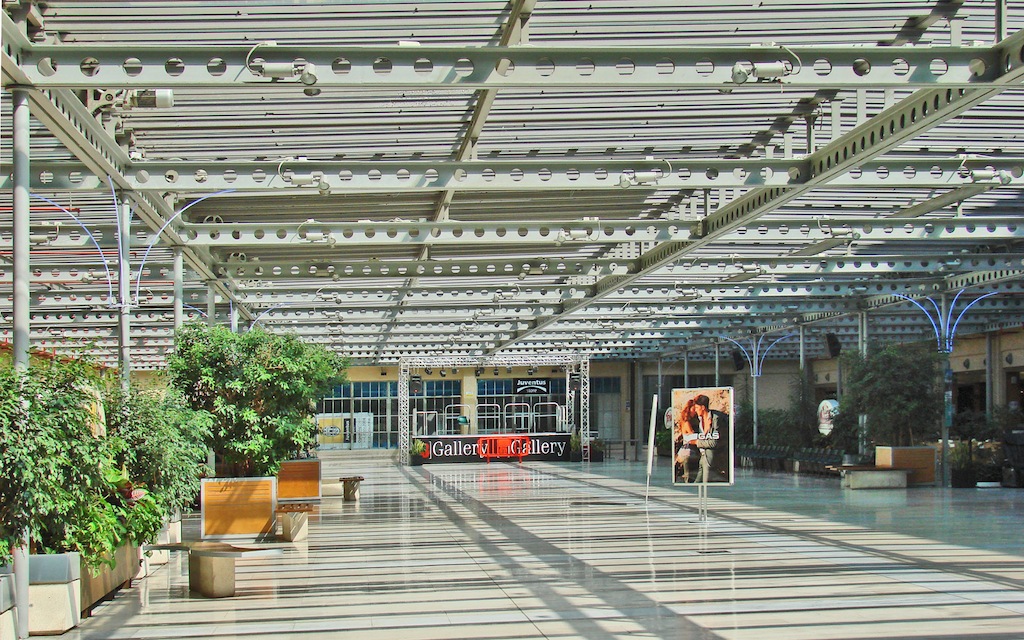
{"x":663,"y":442}
{"x":897,"y":387}
{"x":576,"y":448}
{"x":962,"y":469}
{"x":417,"y":452}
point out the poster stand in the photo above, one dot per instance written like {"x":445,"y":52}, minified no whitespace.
{"x":702,"y":501}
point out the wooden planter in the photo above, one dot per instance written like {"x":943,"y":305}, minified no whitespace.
{"x":920,"y":460}
{"x":299,"y":480}
{"x":238,"y":508}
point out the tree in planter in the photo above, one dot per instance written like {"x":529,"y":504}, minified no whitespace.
{"x":897,"y":388}
{"x":260,"y":389}
{"x":160,"y":441}
{"x":59,"y":477}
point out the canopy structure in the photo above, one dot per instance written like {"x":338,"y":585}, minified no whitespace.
{"x":522,"y":178}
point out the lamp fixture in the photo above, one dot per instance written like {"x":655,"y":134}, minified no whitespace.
{"x":296,"y":70}
{"x":1002,"y":176}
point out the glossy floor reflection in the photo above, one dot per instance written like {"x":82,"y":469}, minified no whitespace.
{"x":544,"y":550}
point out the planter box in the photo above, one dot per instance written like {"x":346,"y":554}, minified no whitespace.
{"x":239,"y":508}
{"x":8,"y":618}
{"x":61,"y":591}
{"x":920,"y":460}
{"x":299,"y":480}
{"x":96,"y":587}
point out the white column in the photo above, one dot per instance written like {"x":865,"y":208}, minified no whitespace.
{"x":179,"y":288}
{"x":22,"y":297}
{"x":124,"y":280}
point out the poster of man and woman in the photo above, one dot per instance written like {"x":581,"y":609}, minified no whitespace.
{"x":702,"y":435}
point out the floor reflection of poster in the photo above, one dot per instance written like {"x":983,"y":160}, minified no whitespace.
{"x":702,"y":435}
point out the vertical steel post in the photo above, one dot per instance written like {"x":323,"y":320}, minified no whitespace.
{"x":947,"y":413}
{"x":124,"y":303}
{"x":686,"y":369}
{"x":718,"y":365}
{"x":862,"y":348}
{"x":22,"y":297}
{"x":179,"y":288}
{"x":211,"y":304}
{"x":989,"y":376}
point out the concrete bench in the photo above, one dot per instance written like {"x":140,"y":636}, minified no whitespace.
{"x":871,"y":477}
{"x":211,"y":565}
{"x":350,"y":487}
{"x":295,"y":519}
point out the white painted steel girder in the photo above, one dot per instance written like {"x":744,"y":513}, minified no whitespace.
{"x":570,"y":233}
{"x":340,"y":176}
{"x":114,"y":66}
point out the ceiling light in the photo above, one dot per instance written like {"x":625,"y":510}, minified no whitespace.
{"x":763,"y":71}
{"x":152,"y":99}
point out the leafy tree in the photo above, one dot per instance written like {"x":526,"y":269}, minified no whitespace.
{"x":897,"y":387}
{"x":56,"y":488}
{"x":260,"y":389}
{"x":160,"y":442}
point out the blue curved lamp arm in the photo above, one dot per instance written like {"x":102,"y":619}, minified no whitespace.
{"x":106,"y":265}
{"x":938,"y":335}
{"x":743,"y":349}
{"x":201,"y":312}
{"x":952,"y":334}
{"x":156,"y":238}
{"x":765,"y":354}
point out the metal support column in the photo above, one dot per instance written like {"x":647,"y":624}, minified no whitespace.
{"x":862,"y":348}
{"x":753,"y":402}
{"x":124,"y":302}
{"x":403,"y":412}
{"x":211,"y":304}
{"x":718,"y":365}
{"x":686,"y":369}
{"x":22,"y":273}
{"x":947,"y":413}
{"x":803,"y":349}
{"x":179,"y":288}
{"x":989,"y":375}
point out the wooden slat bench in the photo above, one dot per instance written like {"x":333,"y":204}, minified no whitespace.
{"x":211,"y":565}
{"x":295,"y":519}
{"x":350,"y":487}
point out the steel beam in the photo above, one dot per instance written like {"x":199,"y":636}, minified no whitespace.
{"x":113,"y":66}
{"x":373,"y":176}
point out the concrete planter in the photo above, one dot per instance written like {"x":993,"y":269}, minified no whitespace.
{"x":60,"y":591}
{"x":8,"y":616}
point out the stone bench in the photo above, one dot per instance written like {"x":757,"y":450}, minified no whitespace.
{"x":871,"y":477}
{"x":211,"y":565}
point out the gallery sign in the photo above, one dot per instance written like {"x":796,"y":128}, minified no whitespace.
{"x":480,"y":448}
{"x":532,"y":386}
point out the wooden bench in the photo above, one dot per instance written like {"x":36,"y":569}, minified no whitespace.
{"x":871,"y":477}
{"x":211,"y":565}
{"x":350,"y":488}
{"x":295,"y":519}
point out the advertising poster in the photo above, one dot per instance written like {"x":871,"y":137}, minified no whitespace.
{"x":702,"y":435}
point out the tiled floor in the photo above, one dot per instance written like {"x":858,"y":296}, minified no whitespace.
{"x":544,"y":550}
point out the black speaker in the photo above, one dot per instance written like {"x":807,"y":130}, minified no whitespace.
{"x":575,"y":381}
{"x":832,"y":345}
{"x":415,"y":386}
{"x":738,"y":360}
